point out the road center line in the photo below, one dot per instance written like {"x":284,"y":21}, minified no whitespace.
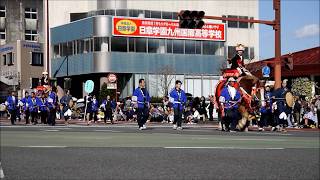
{"x":240,"y":148}
{"x":43,"y":146}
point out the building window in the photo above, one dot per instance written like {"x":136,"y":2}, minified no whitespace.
{"x":80,"y":46}
{"x":30,"y":35}
{"x":166,"y":15}
{"x":119,"y":44}
{"x":210,"y":48}
{"x":156,"y":14}
{"x":34,"y":82}
{"x":88,"y":45}
{"x":2,"y":11}
{"x":232,"y":24}
{"x":132,"y":47}
{"x":110,"y":12}
{"x":243,"y":24}
{"x":175,"y":15}
{"x":198,"y":47}
{"x":3,"y":59}
{"x":246,"y":53}
{"x":101,"y":44}
{"x":251,"y":52}
{"x":190,"y":47}
{"x":37,"y":59}
{"x":141,"y":45}
{"x":30,"y":13}
{"x":147,"y":14}
{"x":122,"y":12}
{"x":56,"y":52}
{"x":178,"y":46}
{"x":10,"y":59}
{"x":169,"y":45}
{"x":64,"y":49}
{"x":3,"y":34}
{"x":153,"y":45}
{"x":231,"y":51}
{"x":136,"y":13}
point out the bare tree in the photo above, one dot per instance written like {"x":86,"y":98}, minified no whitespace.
{"x":166,"y":76}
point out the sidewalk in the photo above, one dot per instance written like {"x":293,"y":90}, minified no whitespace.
{"x":80,"y":122}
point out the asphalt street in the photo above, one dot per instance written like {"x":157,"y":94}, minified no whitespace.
{"x":123,"y":152}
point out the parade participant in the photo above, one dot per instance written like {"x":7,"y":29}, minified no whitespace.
{"x":12,"y":106}
{"x":65,"y":101}
{"x":281,"y":109}
{"x":229,"y":99}
{"x":107,"y":109}
{"x":94,"y":109}
{"x":141,"y":99}
{"x":25,"y":106}
{"x":237,"y":62}
{"x":43,"y":107}
{"x":265,"y":109}
{"x":52,"y":105}
{"x":44,"y":81}
{"x":33,"y":104}
{"x":179,"y":99}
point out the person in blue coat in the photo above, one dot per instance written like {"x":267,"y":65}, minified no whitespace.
{"x":12,"y":106}
{"x":94,"y":109}
{"x":43,"y":107}
{"x":229,"y":99}
{"x":141,"y":99}
{"x":33,"y":104}
{"x":178,"y":98}
{"x":25,"y":106}
{"x":52,"y":105}
{"x":106,"y":106}
{"x":281,"y":112}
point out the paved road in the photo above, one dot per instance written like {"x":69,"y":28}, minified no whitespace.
{"x":123,"y":152}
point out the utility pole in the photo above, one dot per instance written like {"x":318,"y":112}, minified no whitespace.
{"x":277,"y":32}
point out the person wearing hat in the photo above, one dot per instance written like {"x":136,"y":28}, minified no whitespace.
{"x":141,"y":100}
{"x":25,"y":106}
{"x":44,"y":79}
{"x":266,"y":106}
{"x":52,"y":104}
{"x":237,"y":62}
{"x":229,"y":99}
{"x":178,"y":98}
{"x":282,"y":111}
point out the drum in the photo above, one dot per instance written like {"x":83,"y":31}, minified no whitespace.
{"x":289,"y":99}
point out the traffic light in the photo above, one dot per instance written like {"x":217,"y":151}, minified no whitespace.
{"x":288,"y":63}
{"x":191,"y":19}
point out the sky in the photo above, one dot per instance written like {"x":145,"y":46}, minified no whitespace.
{"x":299,"y":26}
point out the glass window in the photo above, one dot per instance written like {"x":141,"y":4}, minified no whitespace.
{"x":37,"y":59}
{"x":166,"y":15}
{"x":87,"y":45}
{"x":69,"y":48}
{"x":56,"y":52}
{"x":175,"y":15}
{"x":100,"y":12}
{"x":122,"y":12}
{"x":3,"y":34}
{"x":147,"y":14}
{"x":210,"y":47}
{"x":141,"y":45}
{"x":110,"y":12}
{"x":64,"y":49}
{"x":2,"y":11}
{"x":223,"y":21}
{"x":198,"y":47}
{"x":232,"y":24}
{"x":156,"y":14}
{"x":30,"y":13}
{"x":136,"y":13}
{"x":178,"y":46}
{"x":231,"y":51}
{"x":34,"y":82}
{"x":3,"y":59}
{"x":101,"y":44}
{"x":190,"y":47}
{"x":10,"y":59}
{"x":243,"y":24}
{"x":153,"y":45}
{"x":119,"y":44}
{"x":80,"y":46}
{"x":31,"y":35}
{"x":132,"y":44}
{"x":251,"y":52}
{"x":169,"y":46}
{"x":162,"y":46}
{"x":246,"y":53}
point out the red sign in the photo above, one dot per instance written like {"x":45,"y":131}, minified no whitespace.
{"x":160,"y":28}
{"x":112,"y":78}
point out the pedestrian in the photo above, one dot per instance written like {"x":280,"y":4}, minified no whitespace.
{"x":33,"y":104}
{"x":12,"y":106}
{"x":25,"y":106}
{"x":179,"y":99}
{"x":317,"y":105}
{"x":94,"y":109}
{"x":229,"y":99}
{"x":66,"y":101}
{"x":52,"y":105}
{"x":141,"y":99}
{"x":211,"y":107}
{"x":43,"y":107}
{"x":203,"y":108}
{"x":265,"y":109}
{"x":107,"y":109}
{"x":297,"y":111}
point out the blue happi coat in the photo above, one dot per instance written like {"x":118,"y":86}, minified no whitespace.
{"x":178,"y":98}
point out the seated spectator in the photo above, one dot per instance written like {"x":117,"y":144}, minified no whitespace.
{"x":155,"y":114}
{"x":194,"y":117}
{"x":310,"y":119}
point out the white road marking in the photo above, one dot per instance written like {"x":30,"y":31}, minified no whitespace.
{"x":51,"y":130}
{"x":241,"y":148}
{"x":43,"y":146}
{"x":257,"y":139}
{"x":105,"y":130}
{"x":1,"y":172}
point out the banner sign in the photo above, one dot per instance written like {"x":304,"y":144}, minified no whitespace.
{"x":161,"y":28}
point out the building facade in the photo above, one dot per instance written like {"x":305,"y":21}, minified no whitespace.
{"x":21,"y":44}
